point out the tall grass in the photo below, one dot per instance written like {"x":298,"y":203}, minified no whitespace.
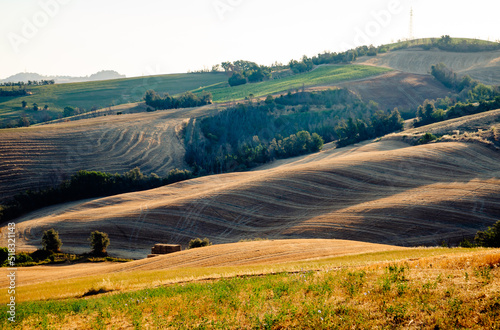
{"x":414,"y":294}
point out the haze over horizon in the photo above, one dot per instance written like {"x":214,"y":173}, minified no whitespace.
{"x":79,"y":38}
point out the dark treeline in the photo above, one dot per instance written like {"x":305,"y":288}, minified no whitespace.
{"x":471,"y":97}
{"x":255,"y":133}
{"x":186,"y":100}
{"x":21,"y":91}
{"x":29,"y":83}
{"x":447,"y":43}
{"x":380,"y":124}
{"x":428,"y":113}
{"x":87,"y":184}
{"x":242,"y":72}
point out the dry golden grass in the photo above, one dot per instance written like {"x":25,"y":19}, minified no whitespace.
{"x":482,"y":128}
{"x":484,"y":66}
{"x":411,"y":288}
{"x":386,"y":192}
{"x":41,"y":156}
{"x":398,"y":89}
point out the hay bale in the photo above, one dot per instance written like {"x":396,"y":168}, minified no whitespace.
{"x":165,"y":248}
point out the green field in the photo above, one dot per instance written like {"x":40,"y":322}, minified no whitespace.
{"x":102,"y":94}
{"x":322,"y":75}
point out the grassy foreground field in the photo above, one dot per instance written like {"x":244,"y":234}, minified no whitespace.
{"x":322,"y":75}
{"x":102,"y":94}
{"x":417,"y":288}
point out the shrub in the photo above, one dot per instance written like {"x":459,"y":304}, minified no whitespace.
{"x":428,"y":137}
{"x":237,"y":79}
{"x":490,"y":237}
{"x":4,"y":254}
{"x":198,"y":242}
{"x":41,"y":255}
{"x":51,"y":240}
{"x":99,"y":241}
{"x":23,"y":258}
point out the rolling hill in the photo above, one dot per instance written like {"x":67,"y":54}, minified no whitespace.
{"x":483,"y":66}
{"x":41,"y":156}
{"x":101,"y":94}
{"x":385,"y":192}
{"x":406,"y":91}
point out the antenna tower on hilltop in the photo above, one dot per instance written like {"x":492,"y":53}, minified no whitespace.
{"x":411,"y":37}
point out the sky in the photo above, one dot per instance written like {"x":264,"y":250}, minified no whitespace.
{"x":147,"y":37}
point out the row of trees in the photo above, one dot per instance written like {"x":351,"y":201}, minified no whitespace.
{"x":29,"y":83}
{"x":450,"y":79}
{"x":14,"y":92}
{"x":186,"y":100}
{"x":99,"y":241}
{"x":87,"y":184}
{"x":428,"y":113}
{"x":35,"y":106}
{"x":51,"y":244}
{"x":471,"y":97}
{"x":380,"y":124}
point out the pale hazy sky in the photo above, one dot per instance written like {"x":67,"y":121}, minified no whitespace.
{"x":81,"y":37}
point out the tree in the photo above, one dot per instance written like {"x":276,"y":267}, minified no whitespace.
{"x":237,"y":79}
{"x":24,"y":121}
{"x":24,"y":104}
{"x":99,"y":241}
{"x":46,"y":107}
{"x":51,"y":241}
{"x":35,"y":106}
{"x":198,"y":242}
{"x":69,"y":111}
{"x":490,"y":237}
{"x":446,"y":39}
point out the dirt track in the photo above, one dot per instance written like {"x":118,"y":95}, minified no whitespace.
{"x":385,"y":192}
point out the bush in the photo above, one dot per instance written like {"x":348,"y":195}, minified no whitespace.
{"x":490,"y":237}
{"x":237,"y":79}
{"x":23,"y":258}
{"x":41,"y":255}
{"x":428,"y":137}
{"x":51,"y":240}
{"x":198,"y":242}
{"x":99,"y":241}
{"x":4,"y":254}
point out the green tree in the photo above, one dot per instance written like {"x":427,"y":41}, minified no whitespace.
{"x":69,"y":111}
{"x":198,"y":242}
{"x":490,"y":237}
{"x":35,"y":107}
{"x":237,"y":79}
{"x":24,"y":104}
{"x":51,"y":241}
{"x":99,"y":241}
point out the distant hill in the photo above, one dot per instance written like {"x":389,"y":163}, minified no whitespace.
{"x":26,"y":76}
